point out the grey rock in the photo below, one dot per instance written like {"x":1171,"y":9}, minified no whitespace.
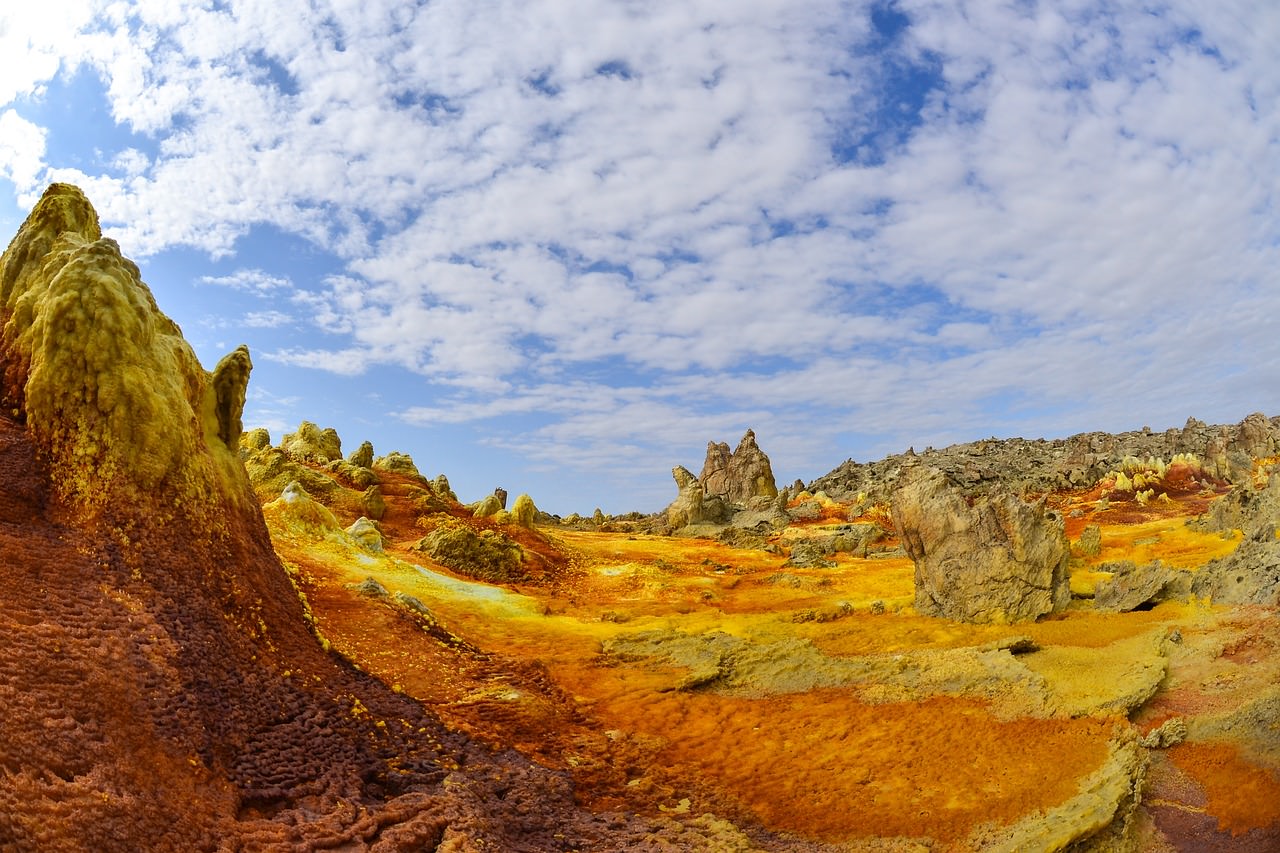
{"x":1131,"y":586}
{"x":739,"y":476}
{"x":993,"y":558}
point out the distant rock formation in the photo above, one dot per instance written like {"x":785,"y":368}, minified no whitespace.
{"x":732,"y":484}
{"x":739,"y":476}
{"x":487,"y":506}
{"x":993,"y":558}
{"x":524,"y":512}
{"x":397,"y":463}
{"x":440,"y":485}
{"x":362,"y":456}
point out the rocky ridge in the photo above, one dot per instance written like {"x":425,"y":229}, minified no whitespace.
{"x":1080,"y":461}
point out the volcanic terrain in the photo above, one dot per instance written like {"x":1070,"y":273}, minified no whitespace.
{"x":212,"y":641}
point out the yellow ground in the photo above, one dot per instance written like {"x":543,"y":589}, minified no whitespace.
{"x":523,"y":667}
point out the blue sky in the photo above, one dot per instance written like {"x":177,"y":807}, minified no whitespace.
{"x":558,"y":245}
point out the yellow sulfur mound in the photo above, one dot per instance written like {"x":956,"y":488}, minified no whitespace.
{"x":112,"y":393}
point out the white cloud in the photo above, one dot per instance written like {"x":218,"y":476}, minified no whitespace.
{"x":632,"y":223}
{"x":251,"y":281}
{"x":22,"y":147}
{"x":267,"y":319}
{"x":349,"y":362}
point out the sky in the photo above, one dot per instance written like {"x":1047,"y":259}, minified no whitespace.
{"x":557,"y":246}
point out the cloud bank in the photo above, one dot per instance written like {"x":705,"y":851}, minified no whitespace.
{"x":600,"y":231}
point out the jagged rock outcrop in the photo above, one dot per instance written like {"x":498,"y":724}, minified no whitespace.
{"x":739,"y":476}
{"x":440,"y":485}
{"x":1248,"y":575}
{"x":1243,"y":508}
{"x":109,"y":388}
{"x":1251,"y":573}
{"x":686,"y":509}
{"x":731,"y":483}
{"x":362,"y":456}
{"x":992,"y":559}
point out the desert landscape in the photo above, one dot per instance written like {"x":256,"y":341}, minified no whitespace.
{"x":214,"y":638}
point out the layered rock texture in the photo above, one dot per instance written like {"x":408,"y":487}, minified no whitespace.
{"x":735,"y":488}
{"x":991,"y":559}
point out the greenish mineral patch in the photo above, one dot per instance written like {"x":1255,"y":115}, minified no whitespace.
{"x":485,"y":555}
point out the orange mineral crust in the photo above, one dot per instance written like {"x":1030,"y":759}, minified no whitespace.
{"x":1241,"y":794}
{"x":827,"y":766}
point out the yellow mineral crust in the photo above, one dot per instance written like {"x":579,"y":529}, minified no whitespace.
{"x":113,"y":395}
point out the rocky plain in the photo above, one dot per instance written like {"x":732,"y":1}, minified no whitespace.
{"x":213,"y":638}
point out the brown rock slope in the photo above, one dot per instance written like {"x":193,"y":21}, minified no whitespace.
{"x":160,"y":686}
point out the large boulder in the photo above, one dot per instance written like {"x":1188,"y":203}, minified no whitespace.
{"x":987,"y":558}
{"x":739,"y":476}
{"x":524,"y":513}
